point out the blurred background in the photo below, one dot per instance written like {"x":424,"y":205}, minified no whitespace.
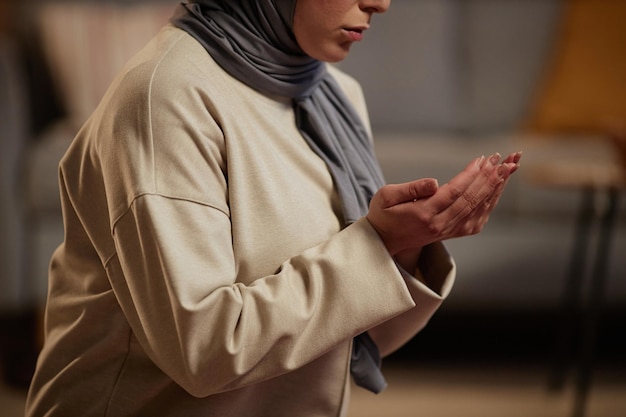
{"x":535,"y":324}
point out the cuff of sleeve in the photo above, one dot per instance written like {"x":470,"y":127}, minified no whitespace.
{"x":436,"y":270}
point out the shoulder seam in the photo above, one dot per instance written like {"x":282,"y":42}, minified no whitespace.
{"x":150,"y":85}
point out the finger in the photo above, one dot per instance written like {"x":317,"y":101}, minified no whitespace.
{"x":516,"y":161}
{"x":477,"y":193}
{"x":457,"y":186}
{"x":495,"y":198}
{"x":476,"y":220}
{"x":514,"y":158}
{"x":394,"y":194}
{"x":484,"y":210}
{"x":482,"y":214}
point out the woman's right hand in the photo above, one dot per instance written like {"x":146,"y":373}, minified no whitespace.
{"x":412,"y":215}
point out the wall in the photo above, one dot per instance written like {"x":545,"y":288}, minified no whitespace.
{"x":453,"y":65}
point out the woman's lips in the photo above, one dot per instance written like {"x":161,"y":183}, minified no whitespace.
{"x":354,"y":34}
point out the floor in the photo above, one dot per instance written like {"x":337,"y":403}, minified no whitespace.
{"x":467,"y":391}
{"x":478,"y":392}
{"x":11,"y":402}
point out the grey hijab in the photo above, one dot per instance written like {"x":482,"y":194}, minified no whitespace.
{"x":253,"y":41}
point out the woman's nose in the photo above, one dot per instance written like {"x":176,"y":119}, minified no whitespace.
{"x":375,"y":6}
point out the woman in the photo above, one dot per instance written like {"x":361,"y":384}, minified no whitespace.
{"x":220,"y":258}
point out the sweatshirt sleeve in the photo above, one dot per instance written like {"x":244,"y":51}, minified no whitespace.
{"x":175,"y":278}
{"x":429,"y":287}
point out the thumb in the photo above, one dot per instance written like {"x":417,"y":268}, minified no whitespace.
{"x":394,"y":194}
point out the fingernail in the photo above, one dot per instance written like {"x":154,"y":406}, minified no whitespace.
{"x":494,"y":159}
{"x":481,"y":161}
{"x":502,"y":171}
{"x":432,"y":186}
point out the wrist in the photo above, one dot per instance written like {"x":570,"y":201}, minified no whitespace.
{"x":409,"y":259}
